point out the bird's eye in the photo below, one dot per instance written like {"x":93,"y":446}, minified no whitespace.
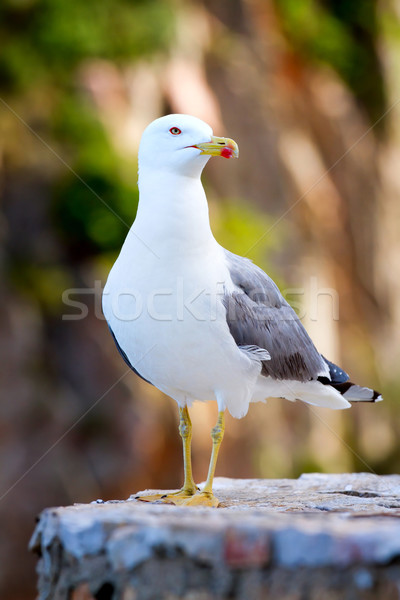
{"x":175,"y":131}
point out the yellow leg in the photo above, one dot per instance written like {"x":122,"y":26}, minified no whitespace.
{"x":206,"y":496}
{"x":189,"y":487}
{"x":185,"y":430}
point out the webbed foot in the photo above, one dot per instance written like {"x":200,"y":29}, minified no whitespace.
{"x":179,"y":497}
{"x":201,"y":499}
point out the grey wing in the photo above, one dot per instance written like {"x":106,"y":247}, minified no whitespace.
{"x":258,"y":315}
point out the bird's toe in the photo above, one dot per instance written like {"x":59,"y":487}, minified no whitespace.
{"x":178,"y":497}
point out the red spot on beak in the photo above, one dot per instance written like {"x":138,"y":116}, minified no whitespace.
{"x":227,"y":152}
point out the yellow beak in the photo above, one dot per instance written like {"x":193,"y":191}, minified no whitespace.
{"x":219,"y":146}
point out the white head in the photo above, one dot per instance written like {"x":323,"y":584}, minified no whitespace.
{"x":181,"y":144}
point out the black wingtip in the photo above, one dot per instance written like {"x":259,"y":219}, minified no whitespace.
{"x":377,"y":397}
{"x":336,"y":374}
{"x":340,"y":380}
{"x":356,"y":393}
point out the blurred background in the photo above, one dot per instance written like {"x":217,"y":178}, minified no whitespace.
{"x":310,"y":90}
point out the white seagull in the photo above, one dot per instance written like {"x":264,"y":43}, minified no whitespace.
{"x":197,"y":321}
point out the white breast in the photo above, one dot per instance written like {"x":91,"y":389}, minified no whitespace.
{"x":168,"y":317}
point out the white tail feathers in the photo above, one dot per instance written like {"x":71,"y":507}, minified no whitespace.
{"x":356,"y":393}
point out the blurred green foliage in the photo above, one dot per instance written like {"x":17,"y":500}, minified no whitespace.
{"x":343,"y":35}
{"x":42,"y":40}
{"x":100,"y":204}
{"x":94,"y":199}
{"x":248,"y":232}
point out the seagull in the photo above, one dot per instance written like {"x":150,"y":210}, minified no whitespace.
{"x":197,"y":321}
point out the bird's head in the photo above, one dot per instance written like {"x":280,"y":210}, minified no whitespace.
{"x":181,"y":144}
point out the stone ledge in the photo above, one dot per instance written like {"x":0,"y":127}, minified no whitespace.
{"x":327,"y":529}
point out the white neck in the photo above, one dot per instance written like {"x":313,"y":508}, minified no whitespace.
{"x":172,"y":208}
